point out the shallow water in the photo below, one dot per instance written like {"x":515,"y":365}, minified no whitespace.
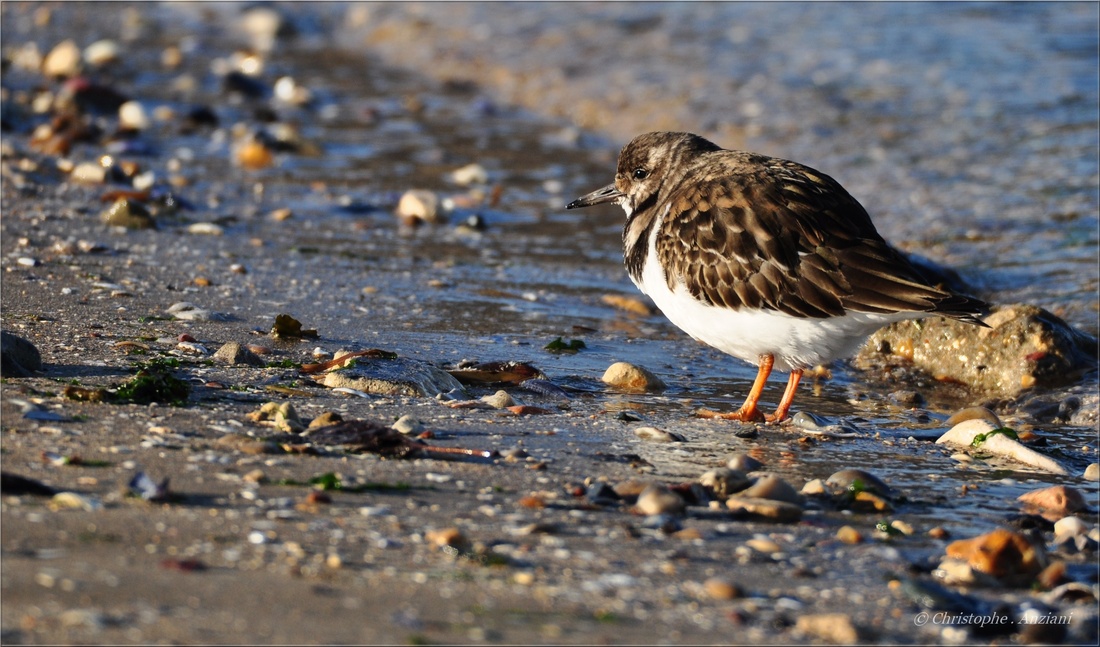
{"x":972,"y":140}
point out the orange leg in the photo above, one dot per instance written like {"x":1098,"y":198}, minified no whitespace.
{"x":748,"y":411}
{"x":788,"y":397}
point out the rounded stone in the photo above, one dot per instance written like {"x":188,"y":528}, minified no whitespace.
{"x":721,"y":589}
{"x":765,"y":509}
{"x":629,"y":377}
{"x":20,"y":357}
{"x":1092,"y":472}
{"x":1068,"y":527}
{"x":63,"y":60}
{"x":408,"y":425}
{"x":419,"y":205}
{"x":724,"y":482}
{"x":656,"y":499}
{"x":655,"y":435}
{"x":860,"y":479}
{"x":772,"y":488}
{"x":499,"y":400}
{"x":974,"y":413}
{"x":849,"y":535}
{"x":743,"y":463}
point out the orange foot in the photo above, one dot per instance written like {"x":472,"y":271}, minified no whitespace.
{"x":742,"y":415}
{"x":748,"y":411}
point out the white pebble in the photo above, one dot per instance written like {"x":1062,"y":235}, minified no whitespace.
{"x":470,"y":174}
{"x":132,"y":115}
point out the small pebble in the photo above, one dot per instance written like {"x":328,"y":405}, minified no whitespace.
{"x":1003,"y":554}
{"x":721,"y":589}
{"x":744,"y":463}
{"x":813,"y":487}
{"x":974,"y":413}
{"x":627,"y":304}
{"x":656,"y":499}
{"x":655,"y":435}
{"x":849,"y":535}
{"x":88,"y":173}
{"x":205,"y":229}
{"x":63,"y":60}
{"x":324,"y":419}
{"x":408,"y":425}
{"x":1092,"y":472}
{"x":133,"y":116}
{"x":772,"y":488}
{"x":445,"y":537}
{"x":632,"y":378}
{"x":470,"y":174}
{"x":499,"y":400}
{"x":724,"y":482}
{"x":129,"y":214}
{"x":417,"y":205}
{"x":1069,"y":527}
{"x":858,"y":479}
{"x":101,"y":52}
{"x":233,"y":353}
{"x":761,"y":545}
{"x":1055,"y":501}
{"x":764,"y":508}
{"x":253,"y":155}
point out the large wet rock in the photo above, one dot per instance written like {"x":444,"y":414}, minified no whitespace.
{"x":1024,"y":347}
{"x":396,"y":376}
{"x":20,"y":357}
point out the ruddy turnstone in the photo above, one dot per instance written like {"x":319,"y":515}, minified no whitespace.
{"x":762,"y":258}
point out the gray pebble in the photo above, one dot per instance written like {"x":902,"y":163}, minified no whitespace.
{"x":499,"y":400}
{"x":724,"y":482}
{"x":772,"y":488}
{"x":601,"y":493}
{"x":845,"y":478}
{"x":743,"y":463}
{"x":408,"y":425}
{"x":233,"y":353}
{"x":656,"y":499}
{"x":655,"y":435}
{"x":20,"y":357}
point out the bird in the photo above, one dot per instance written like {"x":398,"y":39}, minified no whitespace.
{"x":767,"y":260}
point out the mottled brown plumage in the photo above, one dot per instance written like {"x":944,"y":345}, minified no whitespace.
{"x":737,"y":232}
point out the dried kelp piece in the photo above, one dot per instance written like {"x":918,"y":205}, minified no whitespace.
{"x":342,"y":360}
{"x":497,"y":373}
{"x":376,"y":438}
{"x":287,"y":327}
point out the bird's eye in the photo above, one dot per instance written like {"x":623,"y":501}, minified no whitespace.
{"x":640,"y":174}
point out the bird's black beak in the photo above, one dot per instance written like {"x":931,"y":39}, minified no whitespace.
{"x":600,"y":196}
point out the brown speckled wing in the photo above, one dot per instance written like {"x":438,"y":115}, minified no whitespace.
{"x":750,"y":231}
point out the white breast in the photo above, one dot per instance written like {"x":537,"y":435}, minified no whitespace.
{"x":795,"y":342}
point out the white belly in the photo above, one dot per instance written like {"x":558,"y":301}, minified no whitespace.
{"x":794,"y":342}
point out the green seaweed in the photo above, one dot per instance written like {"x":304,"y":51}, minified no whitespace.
{"x":559,"y":346}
